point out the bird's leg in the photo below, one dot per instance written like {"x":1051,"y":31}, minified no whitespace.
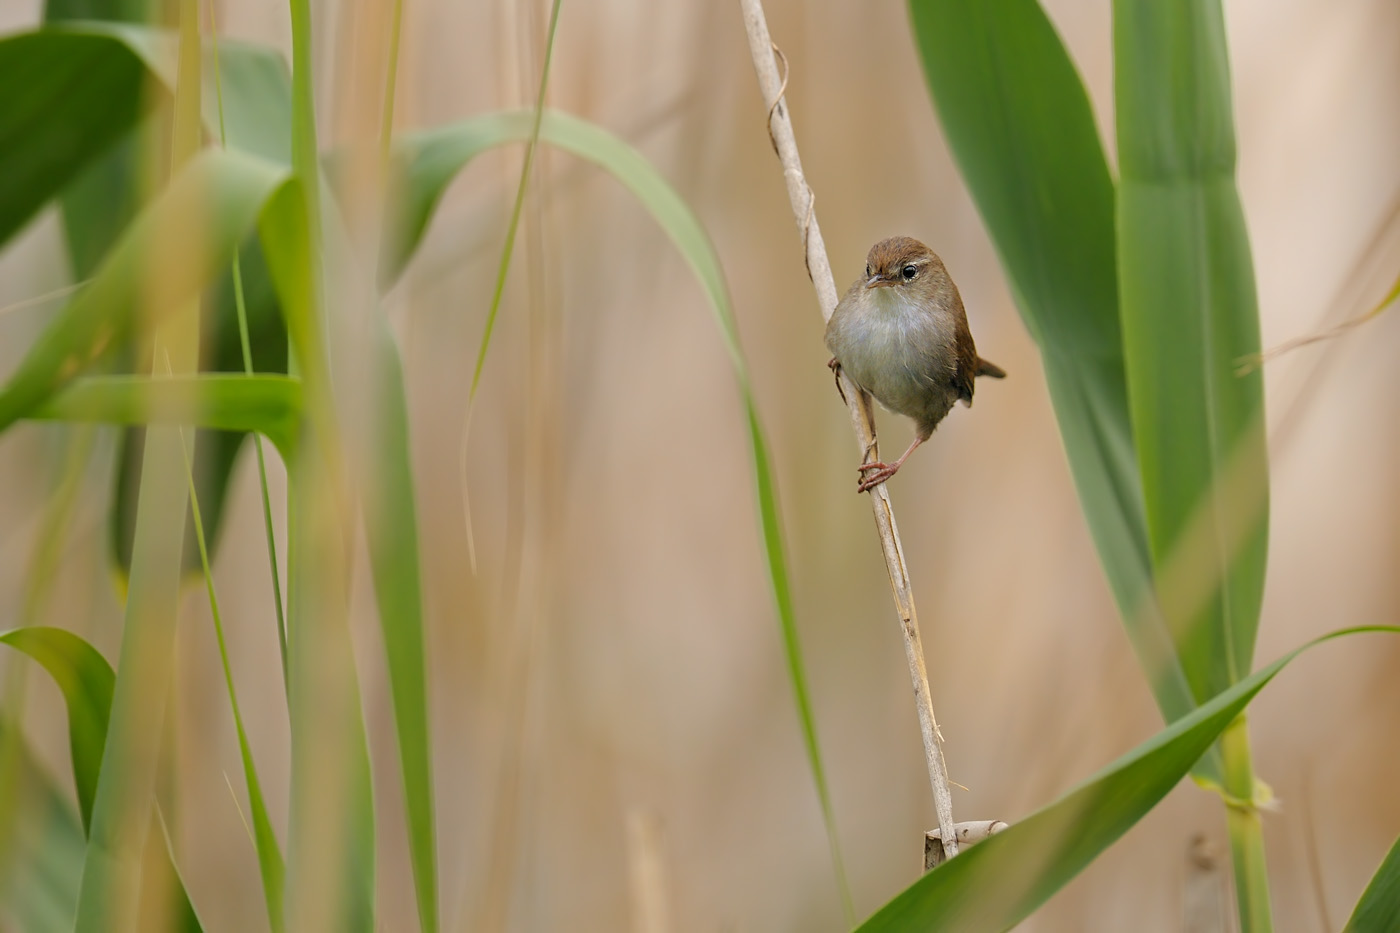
{"x":882,"y":470}
{"x":868,"y":407}
{"x":835,"y":366}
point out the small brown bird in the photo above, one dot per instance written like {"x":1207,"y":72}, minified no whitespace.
{"x":900,"y":333}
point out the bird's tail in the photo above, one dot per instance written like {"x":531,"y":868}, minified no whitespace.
{"x":986,"y":368}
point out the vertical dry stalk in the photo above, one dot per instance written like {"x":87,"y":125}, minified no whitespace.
{"x":772,"y":84}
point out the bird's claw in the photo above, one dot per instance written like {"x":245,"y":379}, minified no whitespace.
{"x":835,"y":366}
{"x":882,"y":472}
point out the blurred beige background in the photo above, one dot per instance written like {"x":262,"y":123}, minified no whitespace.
{"x":616,"y":746}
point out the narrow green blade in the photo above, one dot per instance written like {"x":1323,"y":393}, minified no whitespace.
{"x":330,"y":845}
{"x":270,"y":862}
{"x":1190,"y":313}
{"x":391,"y":532}
{"x":270,"y":405}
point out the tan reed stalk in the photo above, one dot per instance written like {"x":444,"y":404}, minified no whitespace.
{"x":772,"y":83}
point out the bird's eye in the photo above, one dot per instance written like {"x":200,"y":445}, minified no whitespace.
{"x":868,"y":271}
{"x":909,"y":272}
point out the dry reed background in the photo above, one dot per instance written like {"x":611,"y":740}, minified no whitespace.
{"x":613,"y":722}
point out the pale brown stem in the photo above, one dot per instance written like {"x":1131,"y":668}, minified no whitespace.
{"x":772,"y":83}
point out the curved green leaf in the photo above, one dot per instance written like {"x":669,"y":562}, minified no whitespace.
{"x":1379,"y":906}
{"x":1018,"y":121}
{"x":996,"y":884}
{"x":425,"y":163}
{"x":86,"y":679}
{"x":220,"y":194}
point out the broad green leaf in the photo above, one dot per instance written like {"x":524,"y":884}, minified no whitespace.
{"x":41,"y":856}
{"x":427,"y":162}
{"x":1379,"y":906}
{"x":85,"y":678}
{"x":1019,"y":124}
{"x":69,"y":98}
{"x":1190,"y":314}
{"x":123,"y":11}
{"x":255,"y":84}
{"x":107,"y":195}
{"x":270,"y":405}
{"x":996,"y":884}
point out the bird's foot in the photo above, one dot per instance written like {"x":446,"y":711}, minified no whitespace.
{"x":880,"y":471}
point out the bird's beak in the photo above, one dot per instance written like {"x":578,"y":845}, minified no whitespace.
{"x":876,"y":282}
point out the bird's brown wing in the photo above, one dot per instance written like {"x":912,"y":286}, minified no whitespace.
{"x":965,"y":368}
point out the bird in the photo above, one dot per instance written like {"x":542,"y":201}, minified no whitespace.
{"x":900,"y":333}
